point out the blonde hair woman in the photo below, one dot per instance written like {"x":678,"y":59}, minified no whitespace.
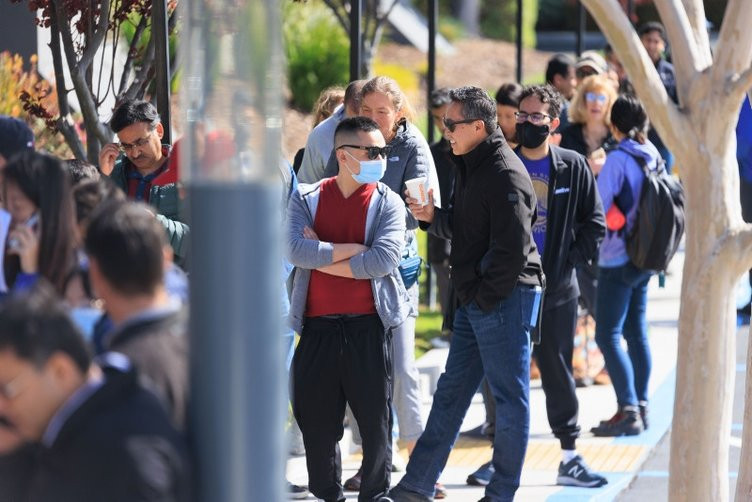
{"x":589,"y":119}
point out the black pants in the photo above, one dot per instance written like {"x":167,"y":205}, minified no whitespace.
{"x":339,"y":361}
{"x":554,"y":358}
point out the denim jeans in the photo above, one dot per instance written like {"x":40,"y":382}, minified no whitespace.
{"x":495,"y":344}
{"x":621,"y":304}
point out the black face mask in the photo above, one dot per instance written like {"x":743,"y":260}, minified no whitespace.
{"x":532,"y":136}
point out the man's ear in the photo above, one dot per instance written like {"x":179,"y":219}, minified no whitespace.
{"x":555,"y":124}
{"x":160,"y":130}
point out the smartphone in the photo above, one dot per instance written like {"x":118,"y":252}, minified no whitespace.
{"x":30,"y":223}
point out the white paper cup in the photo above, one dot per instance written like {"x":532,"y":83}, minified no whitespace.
{"x":418,"y":190}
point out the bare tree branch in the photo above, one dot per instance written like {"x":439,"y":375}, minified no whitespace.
{"x":741,"y":84}
{"x":342,"y":19}
{"x":621,"y":35}
{"x":94,"y":128}
{"x":683,"y":46}
{"x":63,"y":123}
{"x":142,"y":75}
{"x":733,"y":51}
{"x":130,"y":58}
{"x":696,"y":15}
{"x":97,"y":39}
{"x":379,"y":27}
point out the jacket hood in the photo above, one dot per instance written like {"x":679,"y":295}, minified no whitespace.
{"x":647,"y":151}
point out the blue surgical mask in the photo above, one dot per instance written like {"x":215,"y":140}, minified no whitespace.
{"x":371,"y":171}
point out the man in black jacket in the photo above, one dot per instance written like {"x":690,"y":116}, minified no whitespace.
{"x":497,"y":275}
{"x":568,"y":230}
{"x":98,"y":435}
{"x":128,"y":253}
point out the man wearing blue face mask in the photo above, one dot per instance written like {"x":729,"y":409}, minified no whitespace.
{"x":345,"y":235}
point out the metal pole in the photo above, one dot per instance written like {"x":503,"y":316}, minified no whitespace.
{"x":356,"y":7}
{"x":433,"y":14}
{"x":162,"y":66}
{"x":580,"y":28}
{"x":232,"y":110}
{"x":519,"y":41}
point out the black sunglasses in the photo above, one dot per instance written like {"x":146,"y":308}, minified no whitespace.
{"x":451,"y":124}
{"x":373,"y":151}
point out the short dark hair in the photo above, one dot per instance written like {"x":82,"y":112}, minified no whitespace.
{"x":89,"y":194}
{"x":80,"y":170}
{"x":132,"y":112}
{"x":440,"y":97}
{"x":559,"y":64}
{"x":35,"y":325}
{"x":351,"y":126}
{"x":352,"y":94}
{"x":509,"y":94}
{"x":652,"y":26}
{"x":476,"y":104}
{"x":546,"y":94}
{"x":629,"y":117}
{"x":127,"y":242}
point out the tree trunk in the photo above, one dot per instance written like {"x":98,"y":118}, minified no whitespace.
{"x":744,"y":481}
{"x":707,"y":320}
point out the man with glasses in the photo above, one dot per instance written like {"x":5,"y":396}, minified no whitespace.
{"x":142,"y":167}
{"x":345,"y":235}
{"x":497,"y":275}
{"x":568,"y":230}
{"x":96,"y":434}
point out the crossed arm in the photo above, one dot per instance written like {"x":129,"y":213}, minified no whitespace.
{"x":341,"y":255}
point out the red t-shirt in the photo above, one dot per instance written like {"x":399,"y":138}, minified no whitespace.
{"x":340,"y":220}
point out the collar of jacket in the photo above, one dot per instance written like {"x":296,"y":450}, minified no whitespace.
{"x":475,"y":157}
{"x":401,"y":134}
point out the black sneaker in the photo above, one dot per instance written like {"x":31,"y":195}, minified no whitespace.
{"x":296,"y":492}
{"x":626,"y":422}
{"x":643,"y":406}
{"x":482,"y":476}
{"x":577,"y":473}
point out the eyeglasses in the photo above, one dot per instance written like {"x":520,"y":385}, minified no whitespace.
{"x":592,"y":96}
{"x":126,"y":147}
{"x":451,"y":124}
{"x":373,"y":151}
{"x":11,"y":389}
{"x":534,"y":118}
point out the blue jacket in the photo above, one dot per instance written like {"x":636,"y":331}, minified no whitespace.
{"x":622,"y":177}
{"x":385,"y":237}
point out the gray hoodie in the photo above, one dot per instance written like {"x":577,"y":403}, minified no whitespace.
{"x":385,"y":235}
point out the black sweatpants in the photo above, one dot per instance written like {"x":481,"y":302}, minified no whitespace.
{"x":338,"y":361}
{"x":554,"y":358}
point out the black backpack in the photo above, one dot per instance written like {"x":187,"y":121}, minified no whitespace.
{"x":655,"y":237}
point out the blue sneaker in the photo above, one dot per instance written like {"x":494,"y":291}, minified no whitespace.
{"x":577,"y":473}
{"x":482,"y":476}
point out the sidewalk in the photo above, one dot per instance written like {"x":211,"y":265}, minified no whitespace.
{"x":619,"y":459}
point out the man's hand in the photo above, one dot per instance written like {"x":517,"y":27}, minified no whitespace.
{"x":107,"y":157}
{"x":421,"y":213}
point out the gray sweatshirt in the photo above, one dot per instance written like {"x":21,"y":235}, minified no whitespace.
{"x":385,"y":234}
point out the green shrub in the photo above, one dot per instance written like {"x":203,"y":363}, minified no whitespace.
{"x":498,"y":19}
{"x":317,"y":51}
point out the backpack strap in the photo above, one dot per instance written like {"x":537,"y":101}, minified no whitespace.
{"x":660,"y":164}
